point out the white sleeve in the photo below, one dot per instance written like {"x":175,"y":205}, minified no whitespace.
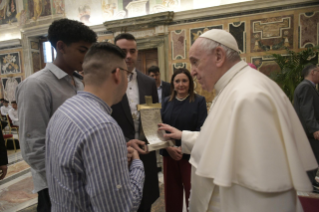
{"x":188,"y":140}
{"x":2,"y":111}
{"x":11,"y":115}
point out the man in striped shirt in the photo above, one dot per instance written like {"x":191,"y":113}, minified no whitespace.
{"x":89,"y":167}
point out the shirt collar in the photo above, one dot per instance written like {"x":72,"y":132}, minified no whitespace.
{"x":223,"y":81}
{"x":56,"y":70}
{"x":160,"y":87}
{"x":101,"y":103}
{"x":314,"y":84}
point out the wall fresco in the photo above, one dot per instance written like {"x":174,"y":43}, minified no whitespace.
{"x":10,"y":63}
{"x":38,"y":8}
{"x":8,"y":12}
{"x":9,"y":86}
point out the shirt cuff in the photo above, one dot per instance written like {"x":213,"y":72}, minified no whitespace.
{"x":188,"y":141}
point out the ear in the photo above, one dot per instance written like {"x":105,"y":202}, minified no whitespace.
{"x":116,"y":76}
{"x":60,"y":47}
{"x":220,"y":56}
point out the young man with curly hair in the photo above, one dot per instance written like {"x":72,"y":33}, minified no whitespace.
{"x":42,"y":93}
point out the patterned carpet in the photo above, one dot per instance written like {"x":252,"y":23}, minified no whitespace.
{"x":158,"y":206}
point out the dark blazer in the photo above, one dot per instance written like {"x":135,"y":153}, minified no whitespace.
{"x":306,"y":104}
{"x":184,"y":115}
{"x":3,"y":151}
{"x":166,"y":90}
{"x":122,"y":114}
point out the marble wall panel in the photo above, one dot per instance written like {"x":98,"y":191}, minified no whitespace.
{"x":238,"y":30}
{"x":8,"y":11}
{"x":308,"y":29}
{"x":196,"y":32}
{"x":36,"y":61}
{"x":179,"y":65}
{"x":9,"y":85}
{"x":178,"y":40}
{"x":34,"y":45}
{"x":265,"y":64}
{"x":10,"y":63}
{"x":273,"y":33}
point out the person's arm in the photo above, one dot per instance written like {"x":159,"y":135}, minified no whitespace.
{"x":110,"y":185}
{"x":12,"y":117}
{"x":34,"y":101}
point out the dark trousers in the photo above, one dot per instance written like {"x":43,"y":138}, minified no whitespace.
{"x":44,"y":202}
{"x":144,"y":210}
{"x":177,"y":178}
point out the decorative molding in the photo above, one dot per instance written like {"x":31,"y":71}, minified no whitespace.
{"x":141,"y":22}
{"x":100,"y":30}
{"x":150,"y":43}
{"x":10,"y":43}
{"x":239,"y":9}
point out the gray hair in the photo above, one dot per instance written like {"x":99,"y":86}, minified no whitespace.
{"x":210,"y":45}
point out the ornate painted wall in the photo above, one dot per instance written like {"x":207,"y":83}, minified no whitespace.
{"x":265,"y":33}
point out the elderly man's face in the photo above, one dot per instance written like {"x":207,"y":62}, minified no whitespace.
{"x":203,"y":66}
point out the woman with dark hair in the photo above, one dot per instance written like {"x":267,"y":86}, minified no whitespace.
{"x":184,"y":110}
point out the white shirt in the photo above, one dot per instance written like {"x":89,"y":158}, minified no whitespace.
{"x":5,"y":110}
{"x":159,"y":92}
{"x":252,"y":147}
{"x":134,"y":99}
{"x":13,"y":114}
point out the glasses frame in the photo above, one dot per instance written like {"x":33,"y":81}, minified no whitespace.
{"x":129,"y":73}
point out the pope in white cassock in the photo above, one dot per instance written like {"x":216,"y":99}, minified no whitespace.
{"x":252,"y":153}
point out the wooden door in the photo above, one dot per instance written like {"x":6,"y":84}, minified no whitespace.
{"x":146,"y":58}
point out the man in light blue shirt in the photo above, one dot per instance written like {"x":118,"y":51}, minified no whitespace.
{"x":89,"y":167}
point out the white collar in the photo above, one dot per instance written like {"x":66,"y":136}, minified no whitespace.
{"x":223,"y":81}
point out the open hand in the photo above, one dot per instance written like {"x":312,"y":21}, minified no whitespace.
{"x":174,"y":133}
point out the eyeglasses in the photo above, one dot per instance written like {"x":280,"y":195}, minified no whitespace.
{"x":129,"y":73}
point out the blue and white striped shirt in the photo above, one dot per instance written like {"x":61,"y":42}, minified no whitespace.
{"x":86,"y":159}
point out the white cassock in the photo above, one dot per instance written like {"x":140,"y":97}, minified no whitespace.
{"x":252,"y":153}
